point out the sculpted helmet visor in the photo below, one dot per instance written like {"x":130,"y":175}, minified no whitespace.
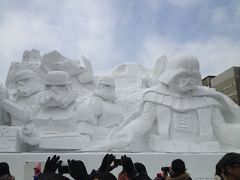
{"x":57,"y":78}
{"x":182,"y":67}
{"x":24,"y":75}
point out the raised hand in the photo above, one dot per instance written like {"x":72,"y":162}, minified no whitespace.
{"x":129,"y":166}
{"x":106,"y":163}
{"x":52,"y":164}
{"x":78,"y":170}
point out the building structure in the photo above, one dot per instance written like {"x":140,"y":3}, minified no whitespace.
{"x":207,"y":81}
{"x":228,"y":82}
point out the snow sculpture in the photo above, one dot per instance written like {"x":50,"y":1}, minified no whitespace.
{"x":57,"y":107}
{"x":130,"y":75}
{"x":31,"y":56}
{"x":27,"y":92}
{"x":4,"y":116}
{"x":105,"y":109}
{"x":54,"y":126}
{"x":8,"y":139}
{"x":80,"y":76}
{"x":180,"y":115}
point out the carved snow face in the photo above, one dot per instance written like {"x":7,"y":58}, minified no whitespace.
{"x":184,"y":82}
{"x":27,"y":87}
{"x":58,"y":95}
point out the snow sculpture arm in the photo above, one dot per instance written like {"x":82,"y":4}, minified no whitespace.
{"x":226,"y":133}
{"x":140,"y":125}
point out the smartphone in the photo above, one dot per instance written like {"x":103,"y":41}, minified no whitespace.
{"x":117,"y":162}
{"x":64,"y":169}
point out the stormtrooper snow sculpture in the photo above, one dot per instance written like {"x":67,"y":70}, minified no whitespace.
{"x":27,"y":88}
{"x":179,"y":115}
{"x":54,"y":126}
{"x":105,"y":109}
{"x":27,"y":94}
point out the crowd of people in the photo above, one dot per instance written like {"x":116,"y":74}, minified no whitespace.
{"x":228,"y":168}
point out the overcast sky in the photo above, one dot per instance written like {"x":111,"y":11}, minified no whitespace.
{"x":112,"y":32}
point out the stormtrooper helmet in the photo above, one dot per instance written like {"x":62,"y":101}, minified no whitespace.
{"x":24,"y":75}
{"x":55,"y":78}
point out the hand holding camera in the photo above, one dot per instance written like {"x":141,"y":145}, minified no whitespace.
{"x":52,"y":164}
{"x":106,"y":163}
{"x":78,"y":170}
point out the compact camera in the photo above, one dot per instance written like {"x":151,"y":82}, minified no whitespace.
{"x":117,"y":162}
{"x":63,"y":169}
{"x":165,"y":169}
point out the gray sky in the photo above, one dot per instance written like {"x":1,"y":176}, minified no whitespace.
{"x":112,"y":32}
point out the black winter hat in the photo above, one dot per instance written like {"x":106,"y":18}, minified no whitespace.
{"x":178,"y":166}
{"x":4,"y":169}
{"x":229,"y":159}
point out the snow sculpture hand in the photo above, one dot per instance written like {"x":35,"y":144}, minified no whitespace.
{"x":27,"y":129}
{"x":123,"y":137}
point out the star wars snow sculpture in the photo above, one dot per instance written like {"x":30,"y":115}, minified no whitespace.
{"x":8,"y":134}
{"x":54,"y":126}
{"x":137,"y":76}
{"x":27,"y":92}
{"x":81,"y":77}
{"x":104,"y":105}
{"x":31,"y":56}
{"x":106,"y":111}
{"x":180,"y":115}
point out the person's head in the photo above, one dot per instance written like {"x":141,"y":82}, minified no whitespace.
{"x":182,"y":73}
{"x":177,"y":168}
{"x":4,"y":169}
{"x":105,"y":89}
{"x":140,"y":167}
{"x":37,"y":169}
{"x":230,"y":166}
{"x":26,"y":83}
{"x":218,"y":169}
